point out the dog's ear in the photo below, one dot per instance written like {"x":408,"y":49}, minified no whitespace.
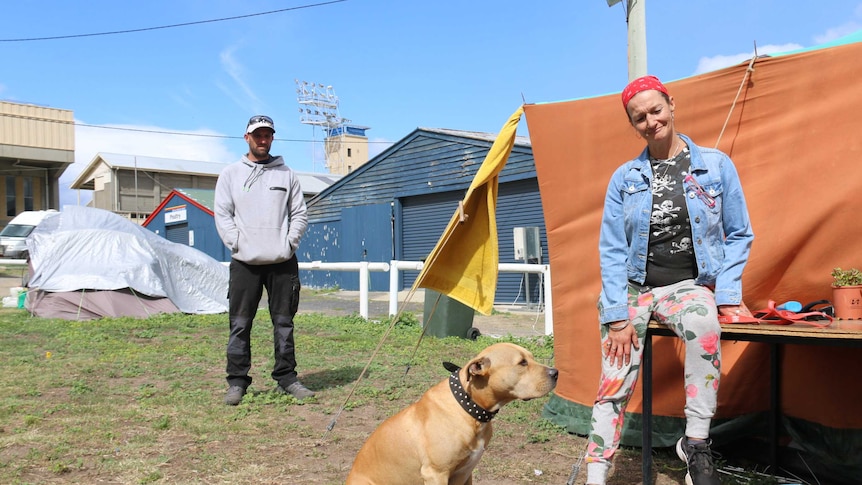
{"x":478,"y":367}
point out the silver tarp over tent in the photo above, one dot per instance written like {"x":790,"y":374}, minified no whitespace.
{"x":89,"y":263}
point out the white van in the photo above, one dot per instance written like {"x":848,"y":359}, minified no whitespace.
{"x":13,"y":237}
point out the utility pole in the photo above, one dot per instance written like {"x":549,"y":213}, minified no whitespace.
{"x":636,"y":21}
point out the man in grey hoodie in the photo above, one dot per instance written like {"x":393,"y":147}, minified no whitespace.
{"x":260,"y":216}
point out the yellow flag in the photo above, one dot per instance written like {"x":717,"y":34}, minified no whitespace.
{"x":463,"y":264}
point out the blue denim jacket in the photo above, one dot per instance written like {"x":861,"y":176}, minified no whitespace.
{"x":721,"y":234}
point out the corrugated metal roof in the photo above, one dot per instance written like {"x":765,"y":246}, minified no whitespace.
{"x":311,"y":183}
{"x":204,"y":197}
{"x":156,"y":164}
{"x":314,"y":183}
{"x":103,"y":160}
{"x":477,"y":135}
{"x":440,"y":158}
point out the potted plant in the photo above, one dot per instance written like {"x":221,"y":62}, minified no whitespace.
{"x":847,"y":293}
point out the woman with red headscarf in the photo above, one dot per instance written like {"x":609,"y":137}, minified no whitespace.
{"x":674,"y":240}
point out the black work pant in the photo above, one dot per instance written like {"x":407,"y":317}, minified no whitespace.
{"x":245,"y":289}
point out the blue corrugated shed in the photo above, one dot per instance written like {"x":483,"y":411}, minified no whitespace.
{"x":185,"y":216}
{"x":397,"y":205}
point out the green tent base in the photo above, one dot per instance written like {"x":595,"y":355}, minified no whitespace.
{"x":666,"y":430}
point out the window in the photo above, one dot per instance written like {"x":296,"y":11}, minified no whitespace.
{"x":28,"y":194}
{"x":10,"y":196}
{"x":349,"y":150}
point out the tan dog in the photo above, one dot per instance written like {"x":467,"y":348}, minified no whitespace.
{"x":440,"y":438}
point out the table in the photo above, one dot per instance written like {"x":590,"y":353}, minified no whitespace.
{"x":842,"y":333}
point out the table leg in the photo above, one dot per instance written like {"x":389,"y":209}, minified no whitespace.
{"x":646,"y":427}
{"x":774,"y":398}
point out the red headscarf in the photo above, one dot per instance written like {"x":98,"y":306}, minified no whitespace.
{"x":643,"y":83}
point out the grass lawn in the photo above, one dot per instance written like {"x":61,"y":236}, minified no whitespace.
{"x":140,"y":401}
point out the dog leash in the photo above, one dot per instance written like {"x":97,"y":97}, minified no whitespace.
{"x":395,"y":320}
{"x":576,"y":468}
{"x":421,"y":336}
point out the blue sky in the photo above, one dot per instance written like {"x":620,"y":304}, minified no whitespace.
{"x":395,"y":65}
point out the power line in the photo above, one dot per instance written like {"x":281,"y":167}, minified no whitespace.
{"x":159,"y":132}
{"x":205,"y":135}
{"x":186,"y":24}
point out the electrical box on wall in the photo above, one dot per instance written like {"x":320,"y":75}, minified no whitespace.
{"x":528,"y":246}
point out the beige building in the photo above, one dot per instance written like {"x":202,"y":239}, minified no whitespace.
{"x":37,"y":144}
{"x":346,"y":149}
{"x":133,"y":186}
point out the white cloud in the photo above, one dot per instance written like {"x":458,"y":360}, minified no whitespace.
{"x":153,"y":142}
{"x":836,"y":32}
{"x":844,"y":29}
{"x":707,"y":64}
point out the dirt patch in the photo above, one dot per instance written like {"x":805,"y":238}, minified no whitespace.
{"x":513,"y":457}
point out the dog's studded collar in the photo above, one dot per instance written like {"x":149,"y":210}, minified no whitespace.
{"x":478,"y":412}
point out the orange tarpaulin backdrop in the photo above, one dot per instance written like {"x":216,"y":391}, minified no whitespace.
{"x":795,"y":135}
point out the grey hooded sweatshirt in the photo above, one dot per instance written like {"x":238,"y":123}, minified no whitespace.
{"x":260,"y":212}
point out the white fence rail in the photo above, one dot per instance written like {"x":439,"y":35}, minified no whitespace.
{"x":394,"y":267}
{"x":364,"y":268}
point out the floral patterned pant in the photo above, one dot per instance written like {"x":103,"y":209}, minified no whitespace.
{"x":691,"y":312}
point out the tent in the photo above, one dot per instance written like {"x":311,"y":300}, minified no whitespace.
{"x":89,"y":263}
{"x":791,"y":124}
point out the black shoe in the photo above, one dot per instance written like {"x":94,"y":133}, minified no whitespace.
{"x":296,"y":390}
{"x":234,"y":395}
{"x":698,"y":458}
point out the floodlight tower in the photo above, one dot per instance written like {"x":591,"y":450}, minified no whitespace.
{"x":318,"y":107}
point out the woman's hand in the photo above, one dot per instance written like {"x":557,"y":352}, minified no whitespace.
{"x":619,"y":344}
{"x":734,"y":310}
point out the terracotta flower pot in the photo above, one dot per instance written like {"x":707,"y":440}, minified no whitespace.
{"x":847,"y":301}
